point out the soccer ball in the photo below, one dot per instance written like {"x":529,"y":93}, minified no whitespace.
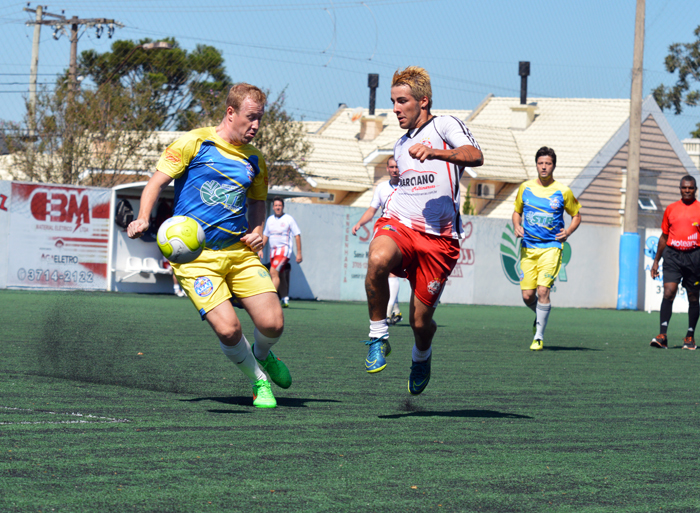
{"x":181,"y":239}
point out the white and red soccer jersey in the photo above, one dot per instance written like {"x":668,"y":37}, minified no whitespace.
{"x":381,"y":195}
{"x":427,"y":197}
{"x":280,"y":231}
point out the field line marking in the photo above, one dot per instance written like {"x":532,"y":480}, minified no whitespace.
{"x":98,"y":420}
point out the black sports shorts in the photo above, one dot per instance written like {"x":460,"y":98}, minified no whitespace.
{"x":682,"y":265}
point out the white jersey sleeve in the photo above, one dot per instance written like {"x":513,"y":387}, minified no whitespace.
{"x":427,"y":196}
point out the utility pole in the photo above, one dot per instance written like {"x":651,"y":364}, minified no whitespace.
{"x":628,"y":285}
{"x":632,"y":187}
{"x":33,"y":71}
{"x":59,"y":23}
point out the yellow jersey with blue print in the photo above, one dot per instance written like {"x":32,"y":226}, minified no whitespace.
{"x":213,"y":180}
{"x":542,"y":210}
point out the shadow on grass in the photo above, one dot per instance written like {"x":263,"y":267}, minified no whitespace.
{"x":568,"y":348}
{"x":288,"y":402}
{"x":473,"y":414}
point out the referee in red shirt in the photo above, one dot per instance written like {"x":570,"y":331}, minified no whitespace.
{"x":680,"y":248}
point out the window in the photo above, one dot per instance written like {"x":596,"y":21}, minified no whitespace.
{"x":646,"y":203}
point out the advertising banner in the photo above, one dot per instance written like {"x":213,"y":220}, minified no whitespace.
{"x":58,"y":237}
{"x":460,"y":285}
{"x":654,"y":288}
{"x":5,"y":194}
{"x":355,"y":253}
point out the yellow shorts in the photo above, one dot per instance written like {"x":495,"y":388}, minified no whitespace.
{"x":217,"y":275}
{"x":539,"y":267}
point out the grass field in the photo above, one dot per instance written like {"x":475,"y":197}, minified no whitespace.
{"x":598,"y":421}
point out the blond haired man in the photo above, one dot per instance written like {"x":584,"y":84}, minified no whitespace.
{"x":221,"y":181}
{"x":418,"y":234}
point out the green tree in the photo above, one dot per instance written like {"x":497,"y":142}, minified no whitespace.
{"x":283,"y":143}
{"x":683,"y":58}
{"x":468,"y":207}
{"x":107,"y":128}
{"x":183,"y":90}
{"x":81,"y":138}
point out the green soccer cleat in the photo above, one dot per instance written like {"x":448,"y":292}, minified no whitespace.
{"x":276,"y":369}
{"x":379,"y":349}
{"x":420,"y":376}
{"x":536,"y":345}
{"x":262,"y":395}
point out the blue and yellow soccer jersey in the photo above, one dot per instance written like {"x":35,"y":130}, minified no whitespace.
{"x":213,"y":180}
{"x":542,"y":210}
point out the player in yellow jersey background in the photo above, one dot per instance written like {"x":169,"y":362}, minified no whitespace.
{"x":539,"y":219}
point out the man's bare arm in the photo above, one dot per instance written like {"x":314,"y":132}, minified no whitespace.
{"x":149,"y":196}
{"x":299,"y":257}
{"x":366,"y":217}
{"x":256,"y":219}
{"x":466,"y":155}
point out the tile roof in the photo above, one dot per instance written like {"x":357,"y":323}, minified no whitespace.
{"x":576,"y":128}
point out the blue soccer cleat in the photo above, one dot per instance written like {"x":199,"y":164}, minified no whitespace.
{"x":420,"y":376}
{"x":379,"y":349}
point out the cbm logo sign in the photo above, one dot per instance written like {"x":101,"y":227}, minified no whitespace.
{"x":60,"y":206}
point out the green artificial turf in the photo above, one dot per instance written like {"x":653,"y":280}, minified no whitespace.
{"x":598,"y":421}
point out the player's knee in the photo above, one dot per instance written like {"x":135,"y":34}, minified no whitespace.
{"x":529,"y":296}
{"x":229,"y":335}
{"x":272,"y":330}
{"x":378,"y":264}
{"x":670,"y":295}
{"x":424,"y":327}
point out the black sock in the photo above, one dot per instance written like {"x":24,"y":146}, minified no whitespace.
{"x":666,"y":311}
{"x":693,"y":315}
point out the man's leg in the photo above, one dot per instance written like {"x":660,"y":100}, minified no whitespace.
{"x":275,"y":276}
{"x":384,"y":255}
{"x":393,"y":314}
{"x":530,"y":300}
{"x":661,"y":340}
{"x":265,"y":312}
{"x":542,"y":310}
{"x":424,"y":328}
{"x":283,"y":289}
{"x":693,"y":315}
{"x":235,"y":346}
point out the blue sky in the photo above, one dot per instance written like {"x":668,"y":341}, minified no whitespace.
{"x":322,"y":50}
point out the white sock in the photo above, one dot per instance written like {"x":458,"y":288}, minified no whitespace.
{"x":394,"y":284}
{"x":242,"y":356}
{"x":419,"y":356}
{"x":285,"y":299}
{"x":377,"y":329}
{"x":262,"y":345}
{"x":542,"y":312}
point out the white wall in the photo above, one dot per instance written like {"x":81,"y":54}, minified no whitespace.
{"x":334,"y":263}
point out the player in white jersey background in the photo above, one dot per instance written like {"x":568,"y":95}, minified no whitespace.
{"x":381,"y":195}
{"x":279,"y":230}
{"x":419,"y":234}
